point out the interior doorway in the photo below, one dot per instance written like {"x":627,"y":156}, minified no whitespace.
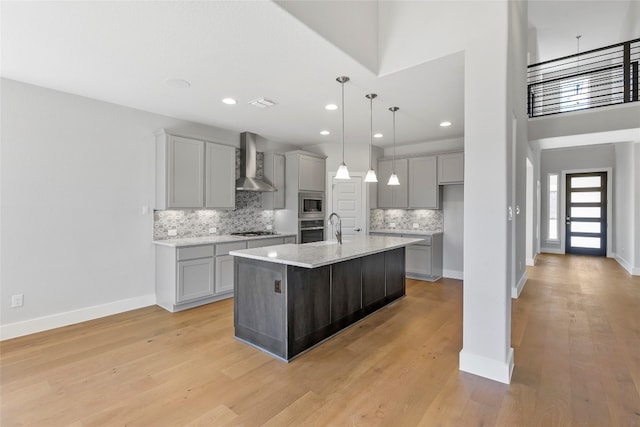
{"x":349,"y":200}
{"x":586,"y":213}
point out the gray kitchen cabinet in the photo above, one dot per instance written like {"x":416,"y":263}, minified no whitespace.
{"x":290,"y":240}
{"x":179,"y":172}
{"x":193,"y":173}
{"x":423,"y":260}
{"x":224,"y":274}
{"x":195,"y":279}
{"x":393,"y":196}
{"x":424,"y":192}
{"x":220,"y":176}
{"x":274,"y":174}
{"x":311,"y":173}
{"x":451,"y":168}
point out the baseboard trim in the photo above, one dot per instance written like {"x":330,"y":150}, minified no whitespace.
{"x":40,"y":324}
{"x":515,"y":291}
{"x":634,"y":271}
{"x":453,"y":274}
{"x":488,"y":368}
{"x":552,"y":251}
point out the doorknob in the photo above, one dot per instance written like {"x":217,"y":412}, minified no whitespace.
{"x":357,"y":229}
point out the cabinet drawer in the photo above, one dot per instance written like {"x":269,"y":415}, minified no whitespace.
{"x":224,"y":248}
{"x":265,"y":242}
{"x":195,"y":252}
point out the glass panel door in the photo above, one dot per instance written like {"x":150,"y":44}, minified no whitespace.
{"x":586,"y":214}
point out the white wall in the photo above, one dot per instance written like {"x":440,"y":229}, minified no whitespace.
{"x":636,"y":211}
{"x":624,"y":204}
{"x":575,"y":158}
{"x":630,"y":29}
{"x":453,"y":236}
{"x":76,"y":174}
{"x":427,"y":147}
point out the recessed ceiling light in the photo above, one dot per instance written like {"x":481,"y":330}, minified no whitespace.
{"x":331,"y":107}
{"x":262,"y":103}
{"x":177,"y":83}
{"x":324,"y":132}
{"x":230,"y":101}
{"x":445,"y":124}
{"x":378,"y":135}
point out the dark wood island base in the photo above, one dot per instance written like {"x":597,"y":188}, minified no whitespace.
{"x":285,"y":309}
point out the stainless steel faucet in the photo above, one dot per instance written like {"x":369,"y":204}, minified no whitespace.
{"x":337,"y":230}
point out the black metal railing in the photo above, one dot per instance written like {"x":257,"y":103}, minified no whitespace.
{"x":595,"y":78}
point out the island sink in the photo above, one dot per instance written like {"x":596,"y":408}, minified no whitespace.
{"x":289,"y":298}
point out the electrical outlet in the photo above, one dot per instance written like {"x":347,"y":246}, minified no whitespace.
{"x":17,"y":300}
{"x":172,"y":232}
{"x":269,"y":227}
{"x":392,"y":225}
{"x":416,"y":225}
{"x":213,"y":230}
{"x":276,"y":287}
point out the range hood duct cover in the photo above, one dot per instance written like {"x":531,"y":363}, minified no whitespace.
{"x":248,"y":166}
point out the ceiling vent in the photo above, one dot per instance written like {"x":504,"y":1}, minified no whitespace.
{"x":262,"y":103}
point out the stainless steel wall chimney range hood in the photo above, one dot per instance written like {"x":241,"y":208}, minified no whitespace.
{"x":248,"y":165}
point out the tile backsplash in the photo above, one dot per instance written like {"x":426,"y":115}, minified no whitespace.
{"x":404,"y":219}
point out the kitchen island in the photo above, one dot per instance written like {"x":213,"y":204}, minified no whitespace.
{"x":289,"y":298}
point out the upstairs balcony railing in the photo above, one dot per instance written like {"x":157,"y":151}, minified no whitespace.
{"x":595,"y":78}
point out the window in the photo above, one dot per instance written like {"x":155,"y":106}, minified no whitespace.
{"x":575,"y":95}
{"x":552,"y":226}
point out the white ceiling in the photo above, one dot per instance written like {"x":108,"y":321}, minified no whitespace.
{"x":123,"y":52}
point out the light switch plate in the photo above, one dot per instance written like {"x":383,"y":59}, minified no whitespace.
{"x":416,"y":225}
{"x":213,"y":230}
{"x":269,"y":227}
{"x":17,"y":300}
{"x":172,"y":233}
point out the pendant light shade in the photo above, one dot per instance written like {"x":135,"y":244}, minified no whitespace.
{"x":393,"y":179}
{"x":343,"y":172}
{"x":371,"y":174}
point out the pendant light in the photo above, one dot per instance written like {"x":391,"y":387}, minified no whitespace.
{"x":393,"y":179}
{"x":343,"y":172}
{"x":371,"y":174}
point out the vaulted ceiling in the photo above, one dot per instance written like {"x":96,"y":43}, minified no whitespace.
{"x":288,"y":52}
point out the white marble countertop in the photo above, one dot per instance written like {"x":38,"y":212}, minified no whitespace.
{"x":317,"y":254}
{"x":407,"y":231}
{"x":213,"y":239}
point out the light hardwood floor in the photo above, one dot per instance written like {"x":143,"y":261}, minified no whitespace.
{"x":575,"y":330}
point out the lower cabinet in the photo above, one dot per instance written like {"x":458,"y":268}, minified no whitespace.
{"x":189,"y":276}
{"x":195,"y":279}
{"x":423,"y":261}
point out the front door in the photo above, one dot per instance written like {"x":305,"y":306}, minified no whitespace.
{"x":347,"y":202}
{"x":586,"y":218}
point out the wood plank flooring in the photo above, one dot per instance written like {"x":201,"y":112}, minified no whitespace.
{"x":575,"y":331}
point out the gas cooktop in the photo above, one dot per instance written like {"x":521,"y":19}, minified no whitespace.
{"x":254,"y":233}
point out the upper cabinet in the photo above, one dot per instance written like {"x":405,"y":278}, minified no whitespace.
{"x":393,"y":196}
{"x":424,"y":192}
{"x":220,"y":176}
{"x":451,"y":168}
{"x":305,"y":172}
{"x":189,"y":169}
{"x":274,"y":174}
{"x":311,"y":173}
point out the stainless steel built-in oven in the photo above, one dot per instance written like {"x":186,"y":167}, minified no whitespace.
{"x":311,"y":205}
{"x":311,"y":230}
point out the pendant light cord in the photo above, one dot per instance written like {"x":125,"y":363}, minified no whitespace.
{"x":371,"y":131}
{"x":342,"y":122}
{"x":394,"y":140}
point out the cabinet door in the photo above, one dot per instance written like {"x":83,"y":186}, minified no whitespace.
{"x":224,"y":274}
{"x":418,"y":259}
{"x":401,"y":192}
{"x":423,"y":183}
{"x":451,"y":168}
{"x":220,"y":184}
{"x":290,"y":239}
{"x":274,"y":174}
{"x":185,"y":177}
{"x":385,"y":195}
{"x":311,"y":173}
{"x":195,"y":279}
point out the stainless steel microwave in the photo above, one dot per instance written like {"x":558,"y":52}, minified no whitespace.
{"x":311,"y":205}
